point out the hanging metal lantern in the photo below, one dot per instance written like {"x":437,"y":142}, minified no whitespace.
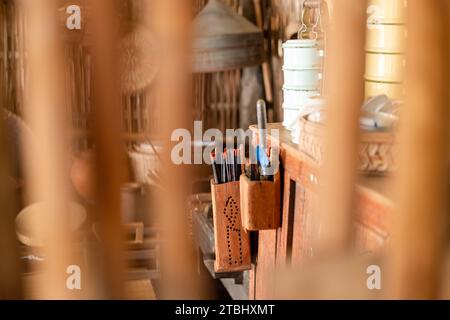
{"x":224,"y":40}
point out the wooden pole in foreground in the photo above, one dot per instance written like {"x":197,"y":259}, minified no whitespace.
{"x":345,"y":69}
{"x":48,"y":171}
{"x":171,"y":23}
{"x":10,"y":286}
{"x":110,"y":155}
{"x":417,"y":245}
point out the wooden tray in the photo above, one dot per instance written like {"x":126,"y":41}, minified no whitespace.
{"x":376,"y":151}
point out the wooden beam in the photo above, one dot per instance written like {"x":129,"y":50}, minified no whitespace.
{"x":110,"y":155}
{"x":344,"y":70}
{"x":47,"y":174}
{"x":10,"y":286}
{"x":417,"y":245}
{"x":171,"y":23}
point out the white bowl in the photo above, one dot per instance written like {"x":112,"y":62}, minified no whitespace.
{"x":290,"y":117}
{"x":296,"y":97}
{"x":302,"y":54}
{"x":29,"y":222}
{"x":303,"y":79}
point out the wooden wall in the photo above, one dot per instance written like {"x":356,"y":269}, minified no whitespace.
{"x":139,"y":114}
{"x":217,"y":96}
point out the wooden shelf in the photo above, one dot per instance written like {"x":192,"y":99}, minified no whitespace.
{"x":375,"y":186}
{"x":292,"y":243}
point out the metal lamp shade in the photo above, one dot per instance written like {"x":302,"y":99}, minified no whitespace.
{"x":224,"y":40}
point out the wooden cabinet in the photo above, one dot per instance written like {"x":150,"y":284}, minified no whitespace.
{"x":292,"y":242}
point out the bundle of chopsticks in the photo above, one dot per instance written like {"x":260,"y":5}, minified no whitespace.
{"x":261,"y":171}
{"x":227,"y":166}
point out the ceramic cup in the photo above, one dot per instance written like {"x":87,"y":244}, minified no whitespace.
{"x":385,"y":67}
{"x":302,"y":54}
{"x":305,"y":79}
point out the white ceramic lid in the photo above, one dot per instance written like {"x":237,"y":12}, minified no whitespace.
{"x":300,"y":43}
{"x":287,"y":68}
{"x":311,"y":92}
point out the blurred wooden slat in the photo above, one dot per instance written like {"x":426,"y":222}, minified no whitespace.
{"x":48,"y":172}
{"x":110,"y":155}
{"x":345,"y":69}
{"x":171,"y":21}
{"x":9,"y":262}
{"x":417,"y":246}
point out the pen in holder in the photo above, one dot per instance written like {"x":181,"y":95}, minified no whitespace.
{"x":260,"y":184}
{"x":232,"y":243}
{"x":260,"y":203}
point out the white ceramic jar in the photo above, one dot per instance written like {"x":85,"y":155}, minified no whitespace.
{"x":302,"y":54}
{"x":395,"y":91}
{"x":385,"y":67}
{"x":386,"y":38}
{"x":387,"y":11}
{"x":296,"y":97}
{"x":303,"y":79}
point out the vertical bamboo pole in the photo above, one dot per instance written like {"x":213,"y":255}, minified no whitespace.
{"x":417,"y":246}
{"x":171,"y":22}
{"x":267,"y":74}
{"x":110,"y":155}
{"x":345,"y":68}
{"x":48,"y":172}
{"x":10,"y":286}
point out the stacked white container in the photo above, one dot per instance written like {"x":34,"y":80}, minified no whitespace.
{"x":385,"y":48}
{"x":302,"y":77}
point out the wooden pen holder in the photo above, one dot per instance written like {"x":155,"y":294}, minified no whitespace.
{"x":260,"y":203}
{"x":232,"y":243}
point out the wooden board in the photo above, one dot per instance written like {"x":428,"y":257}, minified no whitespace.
{"x":264,"y":272}
{"x":260,"y":204}
{"x":139,"y":290}
{"x":232,"y":243}
{"x":292,"y":242}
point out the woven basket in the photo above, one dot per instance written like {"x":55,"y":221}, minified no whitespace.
{"x":376,"y":152}
{"x":142,"y":162}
